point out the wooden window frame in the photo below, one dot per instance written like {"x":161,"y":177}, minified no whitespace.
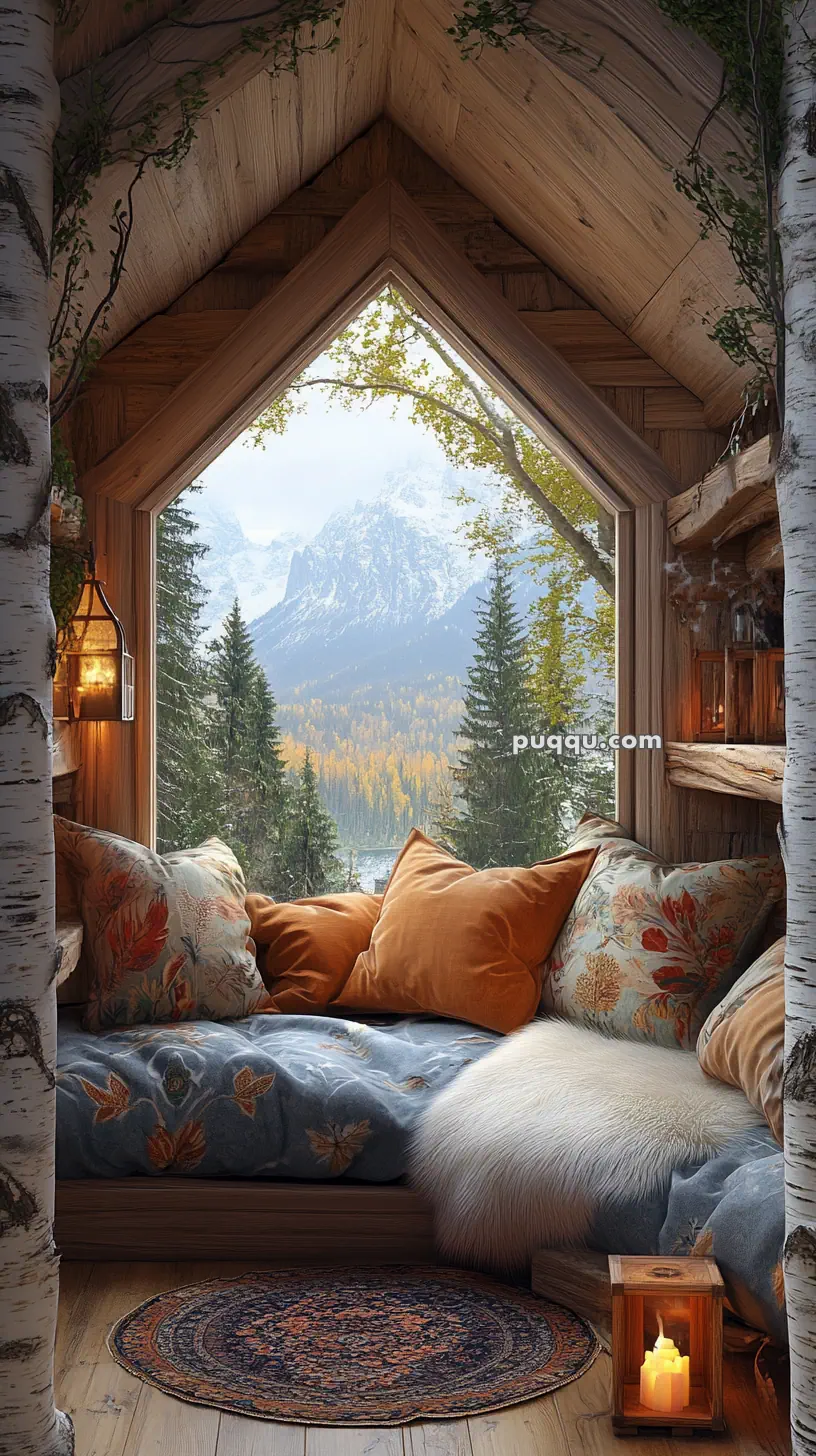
{"x":385,"y":237}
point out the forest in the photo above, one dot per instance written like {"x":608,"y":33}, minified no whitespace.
{"x":287,"y":785}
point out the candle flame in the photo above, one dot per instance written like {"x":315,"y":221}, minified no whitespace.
{"x":659,"y":1325}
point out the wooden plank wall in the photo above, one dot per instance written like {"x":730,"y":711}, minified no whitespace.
{"x":142,"y":371}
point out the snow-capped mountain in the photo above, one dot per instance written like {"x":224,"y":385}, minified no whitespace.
{"x":379,"y":589}
{"x":236,"y":567}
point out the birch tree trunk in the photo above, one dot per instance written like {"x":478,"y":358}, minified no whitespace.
{"x":29,"y":107}
{"x":796,"y":482}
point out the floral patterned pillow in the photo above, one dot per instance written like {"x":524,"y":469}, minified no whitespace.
{"x":650,"y":948}
{"x":166,"y":935}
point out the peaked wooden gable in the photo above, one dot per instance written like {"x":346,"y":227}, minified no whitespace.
{"x":171,"y":396}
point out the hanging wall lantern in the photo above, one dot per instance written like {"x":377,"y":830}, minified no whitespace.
{"x":667,"y":1343}
{"x":94,"y":677}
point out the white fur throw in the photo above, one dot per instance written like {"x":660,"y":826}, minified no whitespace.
{"x":522,"y":1150}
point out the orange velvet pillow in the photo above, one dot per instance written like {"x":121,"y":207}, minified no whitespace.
{"x":307,"y":948}
{"x":464,"y":943}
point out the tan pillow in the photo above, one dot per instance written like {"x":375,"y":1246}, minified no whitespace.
{"x":166,"y":935}
{"x":307,"y":948}
{"x":743,"y":1040}
{"x":464,"y":943}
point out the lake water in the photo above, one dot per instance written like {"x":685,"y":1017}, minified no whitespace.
{"x":374,"y":865}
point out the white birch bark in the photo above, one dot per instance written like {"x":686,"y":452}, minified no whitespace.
{"x":29,"y":106}
{"x":796,"y":483}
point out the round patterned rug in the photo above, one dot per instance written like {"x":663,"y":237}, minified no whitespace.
{"x":353,"y":1347}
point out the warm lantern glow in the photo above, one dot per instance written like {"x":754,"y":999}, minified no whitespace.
{"x":94,"y":677}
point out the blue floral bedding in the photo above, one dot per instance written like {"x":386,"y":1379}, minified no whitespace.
{"x":312,"y":1097}
{"x":265,"y":1097}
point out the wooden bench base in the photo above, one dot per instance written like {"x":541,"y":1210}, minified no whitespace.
{"x":197,"y":1218}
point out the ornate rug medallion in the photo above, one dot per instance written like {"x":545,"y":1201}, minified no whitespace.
{"x":353,"y":1347}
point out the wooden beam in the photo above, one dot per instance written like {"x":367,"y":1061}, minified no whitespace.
{"x":145,"y":608}
{"x":205,"y":1218}
{"x":279,"y":337}
{"x":707,"y":510}
{"x":763,"y":507}
{"x":763,"y":549}
{"x":384,"y":235}
{"x":751,"y":771}
{"x":455,"y":291}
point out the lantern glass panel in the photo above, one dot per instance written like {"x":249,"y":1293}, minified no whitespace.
{"x":740,"y":727}
{"x":712,"y":697}
{"x":94,"y":678}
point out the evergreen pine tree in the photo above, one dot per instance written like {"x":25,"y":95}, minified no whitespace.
{"x":247,"y":746}
{"x":311,"y":860}
{"x":512,"y":803}
{"x":261,"y":825}
{"x":233,"y":673}
{"x":187,"y":772}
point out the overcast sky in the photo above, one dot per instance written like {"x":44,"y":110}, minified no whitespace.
{"x":327,"y":459}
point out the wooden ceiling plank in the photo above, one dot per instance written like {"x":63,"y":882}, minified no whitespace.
{"x":672,"y":328}
{"x":515,"y":99}
{"x":539,"y":136}
{"x":596,"y":349}
{"x":186,"y":220}
{"x":141,"y":76}
{"x":673,"y":409}
{"x":100,"y":28}
{"x":707,"y":511}
{"x":659,"y":79}
{"x":168,"y":346}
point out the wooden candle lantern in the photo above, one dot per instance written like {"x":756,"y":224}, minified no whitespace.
{"x":666,"y":1343}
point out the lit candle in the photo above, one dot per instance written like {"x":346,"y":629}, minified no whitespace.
{"x":664,"y":1376}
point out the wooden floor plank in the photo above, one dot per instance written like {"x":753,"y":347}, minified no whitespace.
{"x":162,"y":1426}
{"x":354,"y":1441}
{"x":438,"y":1438}
{"x":99,"y":1395}
{"x":240,"y":1437}
{"x":532,"y":1429}
{"x":584,"y":1409}
{"x":756,"y":1426}
{"x":75,"y":1311}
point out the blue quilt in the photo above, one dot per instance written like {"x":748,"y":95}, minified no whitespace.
{"x":266,"y":1097}
{"x":731,"y":1207}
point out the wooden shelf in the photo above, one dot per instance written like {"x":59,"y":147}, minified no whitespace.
{"x":735,"y":497}
{"x":749,"y":770}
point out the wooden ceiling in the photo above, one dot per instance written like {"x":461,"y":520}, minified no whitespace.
{"x":573,"y":157}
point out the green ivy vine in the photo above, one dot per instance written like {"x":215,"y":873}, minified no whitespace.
{"x":87,"y":144}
